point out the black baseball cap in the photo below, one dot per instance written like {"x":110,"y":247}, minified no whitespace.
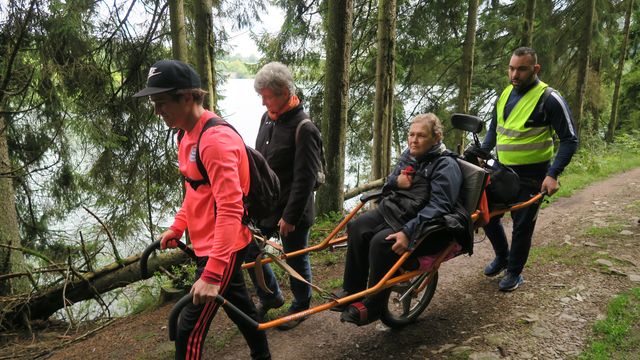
{"x":167,"y":75}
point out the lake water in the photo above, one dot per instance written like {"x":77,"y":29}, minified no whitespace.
{"x":242,"y":108}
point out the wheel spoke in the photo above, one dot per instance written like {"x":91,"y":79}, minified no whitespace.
{"x":406,"y":305}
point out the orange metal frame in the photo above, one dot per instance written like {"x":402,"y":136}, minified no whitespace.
{"x":387,"y":281}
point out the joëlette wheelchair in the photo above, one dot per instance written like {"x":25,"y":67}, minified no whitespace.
{"x":410,"y":291}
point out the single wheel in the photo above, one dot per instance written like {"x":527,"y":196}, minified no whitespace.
{"x":400,"y":312}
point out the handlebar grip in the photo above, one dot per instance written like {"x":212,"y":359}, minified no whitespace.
{"x":144,"y":258}
{"x":144,"y":273}
{"x":185,"y":300}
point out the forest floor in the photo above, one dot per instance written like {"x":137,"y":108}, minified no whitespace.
{"x":586,"y":250}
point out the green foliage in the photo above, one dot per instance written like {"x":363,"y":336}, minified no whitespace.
{"x":629,"y":111}
{"x":323,"y":225}
{"x":596,"y":160}
{"x":618,"y":335}
{"x":237,"y":69}
{"x":147,"y":299}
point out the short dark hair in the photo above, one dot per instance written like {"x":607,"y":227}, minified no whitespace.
{"x":523,"y":50}
{"x":197,"y":94}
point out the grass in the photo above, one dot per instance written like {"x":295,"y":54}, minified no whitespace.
{"x":604,"y":231}
{"x":543,"y":255}
{"x":618,"y":335}
{"x":596,"y":160}
{"x":221,"y":339}
{"x":634,"y":208}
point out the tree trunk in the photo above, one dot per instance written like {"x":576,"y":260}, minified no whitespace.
{"x":613,"y":121}
{"x":44,"y":303}
{"x":583,"y":63}
{"x":595,"y":82}
{"x":527,"y":27}
{"x":10,"y":260}
{"x":466,"y":73}
{"x":178,"y":30}
{"x":383,"y":107}
{"x":336,"y":99}
{"x":547,"y":55}
{"x":205,"y":49}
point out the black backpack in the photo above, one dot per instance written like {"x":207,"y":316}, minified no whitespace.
{"x":504,"y":186}
{"x":320,"y":176}
{"x":264,"y":188}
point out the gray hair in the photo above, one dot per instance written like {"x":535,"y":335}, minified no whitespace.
{"x":275,"y":76}
{"x":432,"y":121}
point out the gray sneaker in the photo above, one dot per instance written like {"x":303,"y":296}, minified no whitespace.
{"x":510,"y":282}
{"x":496,"y":266}
{"x":267,"y":304}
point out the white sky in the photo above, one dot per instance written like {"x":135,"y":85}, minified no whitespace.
{"x":240,"y":40}
{"x":242,"y":43}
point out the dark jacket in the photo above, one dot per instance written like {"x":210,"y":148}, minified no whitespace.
{"x":296,"y":167}
{"x":434,"y":193}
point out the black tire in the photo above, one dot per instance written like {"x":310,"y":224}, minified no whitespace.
{"x":397,"y":314}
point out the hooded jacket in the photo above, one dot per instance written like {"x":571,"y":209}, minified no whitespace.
{"x":432,"y":198}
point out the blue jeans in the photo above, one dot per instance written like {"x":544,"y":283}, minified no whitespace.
{"x":296,"y":240}
{"x":524,"y":222}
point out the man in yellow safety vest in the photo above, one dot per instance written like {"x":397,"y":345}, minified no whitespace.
{"x":525,"y":116}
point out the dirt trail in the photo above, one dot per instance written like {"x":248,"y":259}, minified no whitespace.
{"x":549,"y":317}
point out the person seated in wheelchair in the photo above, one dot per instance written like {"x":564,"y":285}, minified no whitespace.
{"x":423,"y":189}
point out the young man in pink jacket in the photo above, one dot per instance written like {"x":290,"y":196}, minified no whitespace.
{"x":212,"y":212}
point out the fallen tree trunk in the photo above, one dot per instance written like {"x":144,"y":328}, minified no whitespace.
{"x":17,"y":310}
{"x":363,"y":188}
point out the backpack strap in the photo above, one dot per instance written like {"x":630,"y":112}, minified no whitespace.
{"x":545,"y":95}
{"x":300,"y":124}
{"x":323,"y":163}
{"x":214,"y":121}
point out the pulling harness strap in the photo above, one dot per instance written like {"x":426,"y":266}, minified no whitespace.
{"x":261,"y":242}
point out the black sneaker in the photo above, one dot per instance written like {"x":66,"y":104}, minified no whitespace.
{"x":338,"y":295}
{"x":510,"y":282}
{"x":495,"y":267}
{"x":267,"y":304}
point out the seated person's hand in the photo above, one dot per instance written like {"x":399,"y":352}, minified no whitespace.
{"x":405,"y":179}
{"x":401,"y":242}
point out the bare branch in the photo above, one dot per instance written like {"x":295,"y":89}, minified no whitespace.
{"x":28,"y":251}
{"x":111,"y":240}
{"x":85,"y":254}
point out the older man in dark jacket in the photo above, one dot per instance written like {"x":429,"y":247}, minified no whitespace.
{"x":424,"y":186}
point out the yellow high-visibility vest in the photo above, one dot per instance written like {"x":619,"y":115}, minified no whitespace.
{"x":517,"y":144}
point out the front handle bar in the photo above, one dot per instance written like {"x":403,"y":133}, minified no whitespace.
{"x":187,"y":299}
{"x":144,"y":258}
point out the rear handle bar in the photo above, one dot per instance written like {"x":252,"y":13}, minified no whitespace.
{"x":144,"y":258}
{"x":187,"y":299}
